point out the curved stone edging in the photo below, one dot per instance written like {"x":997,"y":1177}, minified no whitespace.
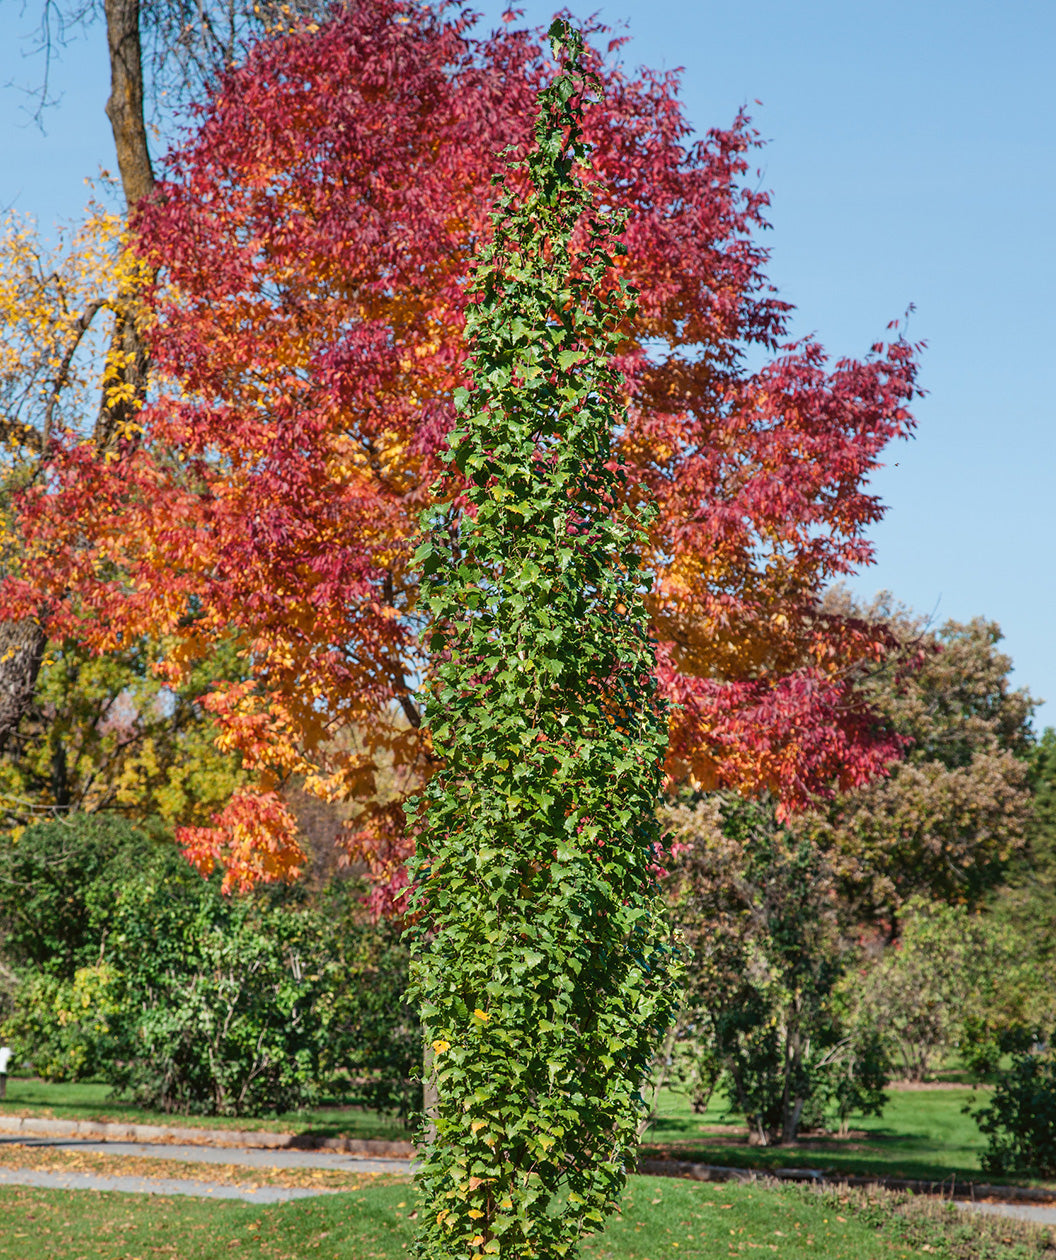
{"x":949,"y":1189}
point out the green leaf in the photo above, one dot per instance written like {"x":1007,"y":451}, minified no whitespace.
{"x":541,"y":934}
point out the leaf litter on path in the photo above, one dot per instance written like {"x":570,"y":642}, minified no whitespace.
{"x":57,"y":1159}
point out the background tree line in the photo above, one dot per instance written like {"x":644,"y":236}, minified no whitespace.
{"x":889,"y":930}
{"x":877,"y":936}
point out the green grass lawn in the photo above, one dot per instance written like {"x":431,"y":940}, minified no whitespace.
{"x":922,"y":1133}
{"x":91,"y":1101}
{"x":658,"y":1220}
{"x":666,"y":1219}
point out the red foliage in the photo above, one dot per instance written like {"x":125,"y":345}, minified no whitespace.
{"x":313,"y":235}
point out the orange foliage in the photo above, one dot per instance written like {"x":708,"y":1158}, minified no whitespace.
{"x":313,"y":236}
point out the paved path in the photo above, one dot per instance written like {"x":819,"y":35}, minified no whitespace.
{"x":151,"y":1185}
{"x":130,"y":1184}
{"x":254,"y":1158}
{"x":1039,"y":1213}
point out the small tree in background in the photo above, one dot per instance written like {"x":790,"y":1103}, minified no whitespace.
{"x":954,"y":980}
{"x":763,"y":1014}
{"x":539,"y":967}
{"x":947,"y":819}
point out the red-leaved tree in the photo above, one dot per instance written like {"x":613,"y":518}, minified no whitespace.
{"x":313,"y":236}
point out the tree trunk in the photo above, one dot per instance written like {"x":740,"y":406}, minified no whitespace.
{"x":125,"y":106}
{"x":127,"y":377}
{"x":791,"y":1106}
{"x":430,"y":1093}
{"x":792,"y":1122}
{"x":60,"y":779}
{"x":22,"y":646}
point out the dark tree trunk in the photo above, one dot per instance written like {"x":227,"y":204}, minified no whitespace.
{"x":60,"y":779}
{"x":127,"y":121}
{"x":125,"y":106}
{"x":22,"y":646}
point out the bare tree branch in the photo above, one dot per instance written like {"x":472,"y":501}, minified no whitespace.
{"x":62,"y":376}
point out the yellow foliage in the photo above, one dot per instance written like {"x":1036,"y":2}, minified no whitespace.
{"x":57,"y":306}
{"x":106,"y":734}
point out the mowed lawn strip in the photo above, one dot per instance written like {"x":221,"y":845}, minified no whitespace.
{"x":923,"y":1134}
{"x":660,"y":1219}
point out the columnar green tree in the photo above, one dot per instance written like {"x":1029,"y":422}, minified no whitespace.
{"x":540,"y":963}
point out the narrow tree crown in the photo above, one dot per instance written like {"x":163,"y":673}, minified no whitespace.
{"x":538,"y":963}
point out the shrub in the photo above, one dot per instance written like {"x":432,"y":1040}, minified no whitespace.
{"x":132,"y":968}
{"x":64,"y":1027}
{"x":59,"y":884}
{"x":1020,"y":1118}
{"x":372,"y":1036}
{"x":221,"y":999}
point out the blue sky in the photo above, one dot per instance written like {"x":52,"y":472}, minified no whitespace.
{"x":910,"y":156}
